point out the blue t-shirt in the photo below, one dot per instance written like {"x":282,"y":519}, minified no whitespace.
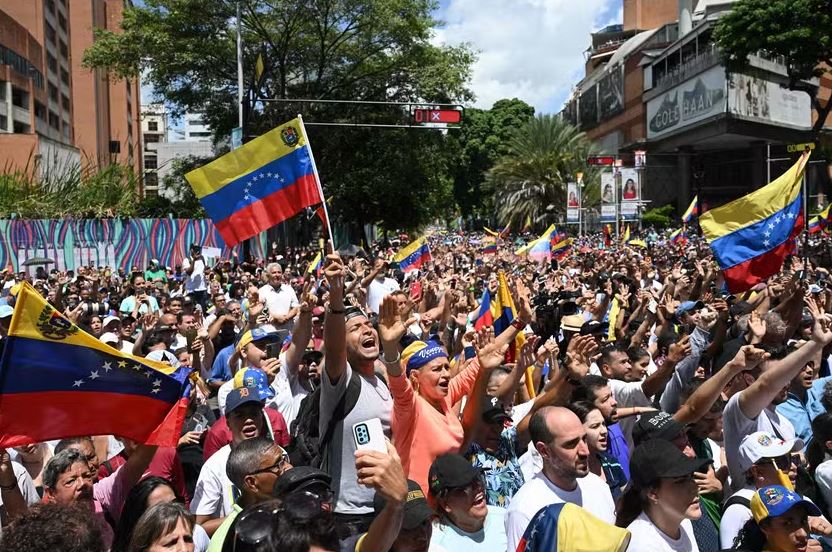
{"x":488,"y":539}
{"x":220,"y":370}
{"x":618,"y":447}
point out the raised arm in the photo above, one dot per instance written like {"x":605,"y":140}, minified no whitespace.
{"x":698,"y":404}
{"x":335,"y":330}
{"x":656,"y":381}
{"x":779,"y":373}
{"x":302,"y":331}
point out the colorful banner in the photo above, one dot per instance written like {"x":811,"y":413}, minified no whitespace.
{"x":119,"y":243}
{"x":630,"y":194}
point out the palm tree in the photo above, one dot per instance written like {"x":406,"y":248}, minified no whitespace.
{"x":530,"y":182}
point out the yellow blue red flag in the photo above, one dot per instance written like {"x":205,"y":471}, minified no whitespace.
{"x":259,"y":184}
{"x":751,"y":236}
{"x":58,"y":381}
{"x":691,"y":211}
{"x":414,"y":255}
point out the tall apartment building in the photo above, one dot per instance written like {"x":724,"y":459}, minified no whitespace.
{"x":52,"y":110}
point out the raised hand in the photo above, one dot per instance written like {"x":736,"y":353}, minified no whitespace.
{"x":822,"y":328}
{"x":679,"y":350}
{"x":527,"y":352}
{"x":748,"y":357}
{"x":757,"y":327}
{"x":334,"y":273}
{"x":391,"y":327}
{"x":490,"y":354}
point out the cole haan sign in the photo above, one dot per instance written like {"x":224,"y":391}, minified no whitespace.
{"x":692,"y":101}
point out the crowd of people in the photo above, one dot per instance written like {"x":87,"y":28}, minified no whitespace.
{"x":628,"y":402}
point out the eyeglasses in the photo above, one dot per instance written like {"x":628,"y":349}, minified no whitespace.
{"x":275,"y":468}
{"x":255,"y":526}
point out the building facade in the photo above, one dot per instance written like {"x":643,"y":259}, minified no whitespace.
{"x":57,"y":112}
{"x":706,"y":130}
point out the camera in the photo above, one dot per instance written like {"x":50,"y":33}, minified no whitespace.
{"x":91,"y":308}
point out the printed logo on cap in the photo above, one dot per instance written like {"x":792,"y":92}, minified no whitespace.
{"x":243,"y":392}
{"x":764,"y":440}
{"x":773,"y":496}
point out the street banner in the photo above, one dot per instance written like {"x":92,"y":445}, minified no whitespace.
{"x":573,"y":202}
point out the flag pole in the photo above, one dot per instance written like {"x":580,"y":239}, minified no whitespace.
{"x":318,"y":182}
{"x":805,"y":218}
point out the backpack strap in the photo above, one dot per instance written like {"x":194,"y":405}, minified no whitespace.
{"x":736,"y":499}
{"x":345,"y":405}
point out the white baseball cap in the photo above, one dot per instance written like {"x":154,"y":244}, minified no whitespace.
{"x":762,"y":444}
{"x":108,"y":337}
{"x":108,"y":319}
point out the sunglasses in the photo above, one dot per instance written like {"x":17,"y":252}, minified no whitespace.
{"x":255,"y":526}
{"x":784,"y":462}
{"x":469,"y":491}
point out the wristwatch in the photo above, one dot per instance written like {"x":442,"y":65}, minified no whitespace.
{"x":518,"y":324}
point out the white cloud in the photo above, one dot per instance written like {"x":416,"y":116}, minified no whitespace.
{"x":530,"y":49}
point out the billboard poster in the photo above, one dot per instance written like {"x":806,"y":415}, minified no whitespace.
{"x":573,"y":202}
{"x":630,"y":194}
{"x":588,"y":108}
{"x":765,"y":101}
{"x":611,"y":94}
{"x":694,"y":100}
{"x":608,"y":196}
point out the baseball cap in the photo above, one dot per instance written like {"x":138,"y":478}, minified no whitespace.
{"x":572,"y":323}
{"x":594,"y":327}
{"x":658,"y":425}
{"x":254,"y":377}
{"x":658,"y":458}
{"x":109,"y":337}
{"x":761,"y":444}
{"x":416,"y":509}
{"x":240,"y":396}
{"x":110,"y":319}
{"x":254,"y":335}
{"x":688,"y":306}
{"x":162,"y":355}
{"x":451,"y":471}
{"x":776,"y":500}
{"x":300,"y":478}
{"x":495,"y":411}
{"x":6,"y":311}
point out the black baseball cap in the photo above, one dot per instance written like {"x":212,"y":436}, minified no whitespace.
{"x":240,"y":396}
{"x":301,"y":478}
{"x":659,"y":458}
{"x":495,"y":411}
{"x":451,"y":471}
{"x":658,"y":425}
{"x":593,"y":327}
{"x":416,"y":509}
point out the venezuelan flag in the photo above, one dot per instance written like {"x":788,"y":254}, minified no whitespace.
{"x":825,"y":217}
{"x":814,"y":225}
{"x":691,"y":211}
{"x":541,"y":248}
{"x":57,"y":381}
{"x":638,"y":243}
{"x":626,"y":237}
{"x":414,"y":255}
{"x":751,"y":236}
{"x":678,"y":236}
{"x":485,"y":318}
{"x":558,"y":527}
{"x":562,"y":248}
{"x":489,"y":247}
{"x":260,"y":184}
{"x":316,"y":264}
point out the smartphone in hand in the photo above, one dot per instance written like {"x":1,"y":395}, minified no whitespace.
{"x":369,"y":435}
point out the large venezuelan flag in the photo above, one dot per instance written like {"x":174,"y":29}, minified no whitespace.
{"x":414,"y":255}
{"x":57,"y":381}
{"x":541,"y":248}
{"x":752,"y":235}
{"x":260,"y":184}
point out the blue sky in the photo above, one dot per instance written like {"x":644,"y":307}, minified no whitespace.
{"x":529,"y":49}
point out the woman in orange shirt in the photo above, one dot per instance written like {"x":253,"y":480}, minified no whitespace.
{"x":424,"y":424}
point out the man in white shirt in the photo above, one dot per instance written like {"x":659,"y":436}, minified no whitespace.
{"x":753,"y":408}
{"x":280,"y":299}
{"x":380,"y":287}
{"x":560,"y":438}
{"x":214,"y":494}
{"x":194,"y":269}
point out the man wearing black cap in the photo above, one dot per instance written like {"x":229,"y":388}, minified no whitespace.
{"x":213,"y":495}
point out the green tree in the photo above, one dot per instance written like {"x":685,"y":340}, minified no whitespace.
{"x":378,"y":50}
{"x":658,"y":216}
{"x":483,"y":139}
{"x":530,"y":182}
{"x":798,"y":30}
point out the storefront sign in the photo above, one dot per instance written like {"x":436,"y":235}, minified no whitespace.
{"x":694,"y":100}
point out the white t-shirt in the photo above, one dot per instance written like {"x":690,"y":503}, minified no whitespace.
{"x":736,"y":426}
{"x":378,"y":290}
{"x":288,"y":393}
{"x":734,"y":518}
{"x":195,"y":281}
{"x":213,"y":494}
{"x":646,"y":537}
{"x":823,"y":477}
{"x":592,"y":494}
{"x":279,"y":301}
{"x":628,"y":394}
{"x":488,"y":539}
